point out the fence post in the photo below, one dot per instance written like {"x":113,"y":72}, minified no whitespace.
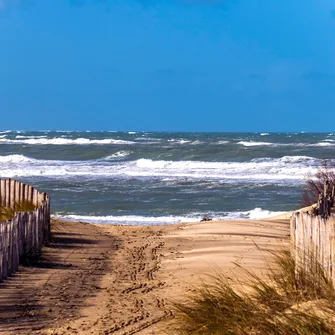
{"x":12,"y":194}
{"x":7,"y":199}
{"x":2,"y":192}
{"x":1,"y":250}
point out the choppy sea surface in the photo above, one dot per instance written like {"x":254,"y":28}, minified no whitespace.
{"x":146,"y":178}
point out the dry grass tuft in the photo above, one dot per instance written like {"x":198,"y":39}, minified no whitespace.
{"x":289,"y":301}
{"x":315,"y":183}
{"x":8,"y":213}
{"x":25,"y":206}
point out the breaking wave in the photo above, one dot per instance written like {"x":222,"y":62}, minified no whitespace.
{"x":254,"y":214}
{"x":119,"y":154}
{"x":285,"y":168}
{"x":253,"y":144}
{"x":64,"y":141}
{"x":324,"y":143}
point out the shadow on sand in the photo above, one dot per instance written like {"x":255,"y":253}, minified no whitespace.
{"x":53,"y":286}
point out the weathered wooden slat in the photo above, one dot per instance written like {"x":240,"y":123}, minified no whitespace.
{"x":4,"y":246}
{"x":21,"y":196}
{"x":36,"y":229}
{"x":7,"y":199}
{"x":2,"y":192}
{"x":12,"y":194}
{"x":35,"y":197}
{"x":26,"y":193}
{"x":17,"y":194}
{"x":30,"y":240}
{"x":30,"y":194}
{"x":1,"y":249}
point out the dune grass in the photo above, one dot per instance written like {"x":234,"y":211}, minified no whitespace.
{"x":289,"y":300}
{"x":8,"y":213}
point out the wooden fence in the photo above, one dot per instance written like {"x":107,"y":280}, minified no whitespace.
{"x":26,"y":233}
{"x":313,"y":233}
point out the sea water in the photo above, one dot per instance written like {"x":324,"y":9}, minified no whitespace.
{"x":145,"y":178}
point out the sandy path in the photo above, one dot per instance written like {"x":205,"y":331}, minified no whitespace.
{"x":96,"y":279}
{"x":55,"y":288}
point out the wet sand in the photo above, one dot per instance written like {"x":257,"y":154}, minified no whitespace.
{"x":99,"y":279}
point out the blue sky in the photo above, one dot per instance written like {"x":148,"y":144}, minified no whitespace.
{"x":182,"y":65}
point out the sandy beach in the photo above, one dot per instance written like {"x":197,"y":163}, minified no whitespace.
{"x":101,"y":279}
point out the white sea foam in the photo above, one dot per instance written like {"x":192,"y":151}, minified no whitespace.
{"x":264,"y":134}
{"x":64,"y":141}
{"x":30,"y":137}
{"x":323,"y":144}
{"x":147,"y":139}
{"x":179,"y":141}
{"x":319,"y":144}
{"x":287,"y":159}
{"x":15,"y":159}
{"x":254,"y":214}
{"x":283,"y":168}
{"x":254,"y":144}
{"x":119,"y":154}
{"x":128,"y":219}
{"x":259,"y":213}
{"x":278,"y":169}
{"x":196,"y":142}
{"x":223,"y":142}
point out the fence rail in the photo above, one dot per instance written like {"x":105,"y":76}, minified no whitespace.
{"x":26,"y":233}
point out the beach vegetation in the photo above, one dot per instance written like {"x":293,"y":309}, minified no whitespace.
{"x":288,"y":300}
{"x":315,"y":183}
{"x":25,"y":206}
{"x":8,"y":213}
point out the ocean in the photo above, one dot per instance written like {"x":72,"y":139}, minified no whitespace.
{"x":146,"y":178}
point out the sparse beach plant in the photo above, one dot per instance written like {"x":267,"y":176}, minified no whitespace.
{"x":8,"y":213}
{"x":315,"y":183}
{"x":288,"y":300}
{"x":25,"y":206}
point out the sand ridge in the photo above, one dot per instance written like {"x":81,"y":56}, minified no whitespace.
{"x":100,"y":279}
